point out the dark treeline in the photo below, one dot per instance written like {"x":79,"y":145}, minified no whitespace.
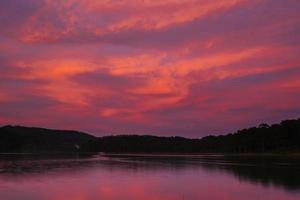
{"x":283,"y":137}
{"x":18,"y":139}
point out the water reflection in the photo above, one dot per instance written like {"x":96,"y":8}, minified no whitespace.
{"x":89,"y":177}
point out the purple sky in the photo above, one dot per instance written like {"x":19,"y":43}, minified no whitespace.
{"x":172,"y":67}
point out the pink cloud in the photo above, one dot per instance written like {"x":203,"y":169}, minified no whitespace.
{"x":170,"y":68}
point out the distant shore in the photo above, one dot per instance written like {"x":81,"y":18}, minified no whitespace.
{"x":267,"y":140}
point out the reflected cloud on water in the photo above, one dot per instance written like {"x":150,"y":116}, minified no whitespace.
{"x":272,"y":170}
{"x":259,"y":171}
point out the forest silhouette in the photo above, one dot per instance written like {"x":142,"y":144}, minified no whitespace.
{"x":277,"y":138}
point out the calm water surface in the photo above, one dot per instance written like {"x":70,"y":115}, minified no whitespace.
{"x":136,"y":177}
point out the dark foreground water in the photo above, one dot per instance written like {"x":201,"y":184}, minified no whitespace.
{"x":136,"y":177}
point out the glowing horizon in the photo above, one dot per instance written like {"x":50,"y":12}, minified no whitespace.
{"x":176,"y":67}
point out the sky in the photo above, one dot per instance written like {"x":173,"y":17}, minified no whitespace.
{"x":174,"y":67}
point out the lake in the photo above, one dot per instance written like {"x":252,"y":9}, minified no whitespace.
{"x":149,"y":177}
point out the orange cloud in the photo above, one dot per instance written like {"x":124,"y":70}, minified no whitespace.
{"x":86,"y":16}
{"x":173,"y":12}
{"x":146,"y":65}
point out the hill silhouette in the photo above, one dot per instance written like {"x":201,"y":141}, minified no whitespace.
{"x":283,"y":137}
{"x":18,"y":139}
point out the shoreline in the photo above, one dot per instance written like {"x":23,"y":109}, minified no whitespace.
{"x":165,"y":154}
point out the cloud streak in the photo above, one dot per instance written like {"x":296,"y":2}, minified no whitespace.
{"x":187,"y":68}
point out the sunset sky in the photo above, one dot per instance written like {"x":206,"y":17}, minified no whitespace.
{"x":171,"y":67}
